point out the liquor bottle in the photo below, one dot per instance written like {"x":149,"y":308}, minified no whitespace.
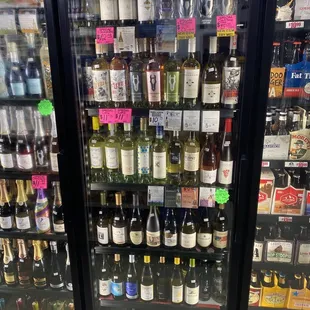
{"x":7,"y":146}
{"x":68,"y":278}
{"x":42,"y":213}
{"x":119,"y":223}
{"x":172,"y":79}
{"x":153,"y":78}
{"x":159,"y":157}
{"x":147,"y":280}
{"x":153,"y":228}
{"x":104,"y":280}
{"x":204,"y":234}
{"x":55,"y":278}
{"x":24,"y":145}
{"x":16,"y":77}
{"x":146,"y":11}
{"x":108,"y":10}
{"x":136,"y":223}
{"x":96,"y":152}
{"x":205,"y":282}
{"x":38,"y":268}
{"x":176,"y":283}
{"x":41,"y":143}
{"x":175,"y":159}
{"x":144,"y":153}
{"x":231,"y":77}
{"x":190,"y":72}
{"x":225,"y":171}
{"x":191,"y":292}
{"x":188,"y":231}
{"x":118,"y":280}
{"x":32,"y":71}
{"x":101,"y":76}
{"x":218,"y":287}
{"x":166,"y":9}
{"x":58,"y":211}
{"x":220,"y":229}
{"x":24,"y":265}
{"x":103,"y":221}
{"x":282,"y":124}
{"x":112,"y":155}
{"x":127,"y":10}
{"x":3,"y":74}
{"x":162,"y":280}
{"x":170,"y":234}
{"x":9,"y":265}
{"x":22,"y":212}
{"x":132,"y":280}
{"x":211,"y":79}
{"x":268,"y":125}
{"x":119,"y":78}
{"x":258,"y":245}
{"x":54,"y":146}
{"x":6,"y":210}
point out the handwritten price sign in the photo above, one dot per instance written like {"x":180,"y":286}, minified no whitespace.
{"x":107,"y":116}
{"x":105,"y":35}
{"x":123,"y":115}
{"x":39,"y":181}
{"x":226,"y":25}
{"x":186,"y":28}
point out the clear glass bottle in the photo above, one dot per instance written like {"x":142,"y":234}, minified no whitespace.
{"x":42,"y":213}
{"x":55,"y":276}
{"x":191,"y":292}
{"x":175,"y":160}
{"x":41,"y":143}
{"x":24,"y":265}
{"x":177,"y":283}
{"x":147,"y":280}
{"x":104,"y":279}
{"x":6,"y":210}
{"x":54,"y":146}
{"x":159,"y":157}
{"x":118,"y":279}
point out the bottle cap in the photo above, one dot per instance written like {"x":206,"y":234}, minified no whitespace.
{"x":103,"y":198}
{"x":162,"y":259}
{"x":192,"y":45}
{"x":192,"y":262}
{"x":147,"y":259}
{"x":143,"y":123}
{"x":127,"y":126}
{"x":213,"y":45}
{"x":95,"y":121}
{"x":131,"y":258}
{"x":297,"y":276}
{"x":117,"y":257}
{"x":118,"y":198}
{"x":111,"y":127}
{"x":136,"y":49}
{"x":177,"y":260}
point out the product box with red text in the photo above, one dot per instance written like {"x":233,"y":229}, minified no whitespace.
{"x":300,"y":145}
{"x":266,"y":185}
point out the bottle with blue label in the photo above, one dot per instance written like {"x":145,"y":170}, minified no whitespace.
{"x":132,"y":280}
{"x":118,"y":281}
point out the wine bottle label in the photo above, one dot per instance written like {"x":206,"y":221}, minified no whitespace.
{"x":143,"y":159}
{"x":39,"y":282}
{"x":22,"y":222}
{"x":177,"y":294}
{"x":131,"y":290}
{"x":136,"y":237}
{"x":188,"y":241}
{"x":103,"y":235}
{"x":159,"y":165}
{"x":108,"y":10}
{"x":10,"y":278}
{"x":220,"y":239}
{"x":303,"y":256}
{"x":191,"y":161}
{"x":153,"y":238}
{"x":101,"y":84}
{"x":147,"y":292}
{"x":118,"y":85}
{"x":127,"y":9}
{"x":54,"y":162}
{"x":191,"y":83}
{"x":211,"y":93}
{"x":204,"y":239}
{"x":175,"y":158}
{"x":23,"y":278}
{"x":258,"y":251}
{"x":170,"y":239}
{"x":96,"y":157}
{"x":128,"y":162}
{"x":43,"y":223}
{"x":34,"y":86}
{"x":218,"y":285}
{"x":59,"y":228}
{"x":111,"y":156}
{"x":104,"y":287}
{"x":7,"y":161}
{"x":136,"y":86}
{"x":191,"y":295}
{"x":208,"y":176}
{"x":172,"y":86}
{"x":24,"y":162}
{"x":254,"y":296}
{"x":18,"y":89}
{"x":6,"y":222}
{"x":231,"y":81}
{"x":146,"y":10}
{"x":117,"y":289}
{"x":225,"y":172}
{"x":153,"y":86}
{"x":119,"y":235}
{"x":59,"y":285}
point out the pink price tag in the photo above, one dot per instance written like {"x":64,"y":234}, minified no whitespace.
{"x":226,"y":25}
{"x":39,"y":181}
{"x":105,"y":35}
{"x":123,"y":115}
{"x":186,"y":28}
{"x":107,"y":116}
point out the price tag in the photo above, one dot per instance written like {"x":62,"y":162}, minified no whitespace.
{"x":265,"y":164}
{"x":294,"y":25}
{"x":172,"y":197}
{"x":186,"y":28}
{"x":123,"y":115}
{"x":173,"y":120}
{"x":296,"y":164}
{"x":189,"y":197}
{"x":226,"y":25}
{"x":39,"y":181}
{"x":105,"y":35}
{"x":7,"y":22}
{"x":28,"y":21}
{"x":207,"y":197}
{"x":156,"y":118}
{"x":210,"y":121}
{"x":107,"y":116}
{"x":286,"y":219}
{"x":155,"y":196}
{"x":191,"y":120}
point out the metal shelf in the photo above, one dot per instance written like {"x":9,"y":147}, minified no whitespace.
{"x":285,"y":163}
{"x":272,"y":219}
{"x":26,"y":175}
{"x":287,"y":268}
{"x":32,"y":235}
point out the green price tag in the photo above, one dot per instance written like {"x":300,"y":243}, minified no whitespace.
{"x":45,"y":107}
{"x":221,"y":195}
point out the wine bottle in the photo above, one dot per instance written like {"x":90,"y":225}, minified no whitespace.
{"x":159,"y":157}
{"x":118,"y":281}
{"x":104,"y":281}
{"x":42,"y":213}
{"x":132,"y":280}
{"x":55,"y":279}
{"x":146,"y":11}
{"x":24,"y":269}
{"x":6,"y":210}
{"x":204,"y":235}
{"x":41,"y":143}
{"x":218,"y":287}
{"x":68,"y":278}
{"x":162,"y":282}
{"x":136,"y":224}
{"x":153,"y":228}
{"x":54,"y":146}
{"x":22,"y":212}
{"x":188,"y":231}
{"x":9,"y":265}
{"x":58,"y":211}
{"x":147,"y":281}
{"x":38,"y":267}
{"x":103,"y":221}
{"x":220,"y":232}
{"x":205,"y":282}
{"x":119,"y":224}
{"x":191,"y":294}
{"x":170,"y":230}
{"x":176,"y":283}
{"x":175,"y":164}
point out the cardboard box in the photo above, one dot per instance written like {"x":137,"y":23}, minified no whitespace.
{"x":276,"y":147}
{"x":299,"y":299}
{"x":255,"y":296}
{"x":300,"y":145}
{"x":302,"y":253}
{"x":266,"y":185}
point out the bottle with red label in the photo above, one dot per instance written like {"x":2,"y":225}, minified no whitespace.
{"x":220,"y":230}
{"x":255,"y":290}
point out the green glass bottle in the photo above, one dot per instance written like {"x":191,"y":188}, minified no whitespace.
{"x":175,"y":160}
{"x":191,"y":294}
{"x":159,"y":157}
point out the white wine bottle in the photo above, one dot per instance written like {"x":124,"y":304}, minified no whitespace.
{"x":104,"y":281}
{"x":170,"y":230}
{"x":119,"y":224}
{"x":118,"y":281}
{"x":153,"y":229}
{"x":191,"y":285}
{"x":103,"y":221}
{"x":147,"y":281}
{"x":136,"y":224}
{"x":188,"y":231}
{"x":204,"y":234}
{"x":176,"y":283}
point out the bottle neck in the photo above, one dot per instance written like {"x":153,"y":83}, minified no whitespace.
{"x":21,"y":249}
{"x":39,"y":130}
{"x":40,"y":194}
{"x":57,"y":195}
{"x":5,"y":130}
{"x":38,"y":253}
{"x":192,"y":136}
{"x":14,"y":57}
{"x":21,"y":195}
{"x":7,"y":252}
{"x":4,"y":197}
{"x":54,"y":128}
{"x":68,"y":257}
{"x":21,"y":125}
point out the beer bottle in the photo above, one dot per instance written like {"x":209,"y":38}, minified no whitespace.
{"x":258,"y":245}
{"x":308,"y":282}
{"x":303,"y":234}
{"x":282,"y":125}
{"x":254,"y":280}
{"x":268,"y":280}
{"x":297,"y":283}
{"x":296,"y":181}
{"x":280,"y":181}
{"x":296,"y":122}
{"x":282,"y":280}
{"x":268,"y":126}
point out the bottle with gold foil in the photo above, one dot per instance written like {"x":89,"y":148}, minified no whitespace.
{"x":119,"y":224}
{"x":42,"y":213}
{"x":38,"y":267}
{"x":6,"y":210}
{"x":58,"y":211}
{"x":35,"y":305}
{"x":9,"y":265}
{"x":24,"y":269}
{"x":22,"y":214}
